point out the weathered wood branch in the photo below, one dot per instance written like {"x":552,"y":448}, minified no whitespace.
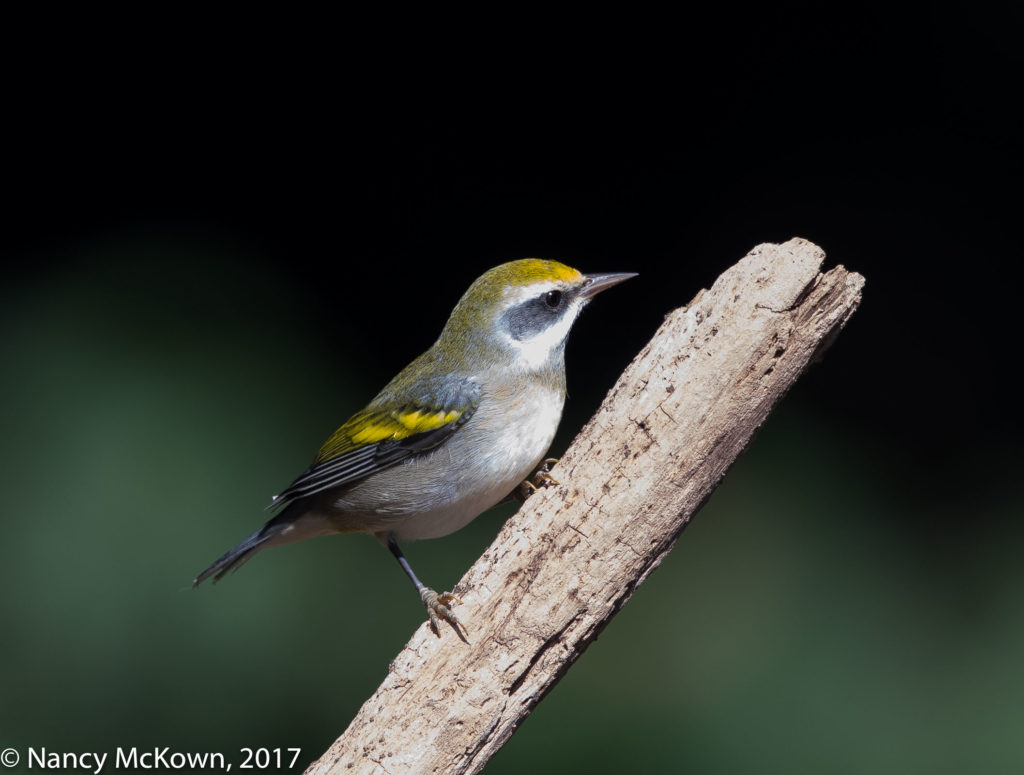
{"x":567,"y":561}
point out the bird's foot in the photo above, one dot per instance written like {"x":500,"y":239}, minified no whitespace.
{"x":438,"y":608}
{"x":541,"y":478}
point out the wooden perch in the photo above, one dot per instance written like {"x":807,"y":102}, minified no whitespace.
{"x":572,"y":556}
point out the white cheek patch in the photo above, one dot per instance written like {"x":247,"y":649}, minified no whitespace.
{"x":535,"y":352}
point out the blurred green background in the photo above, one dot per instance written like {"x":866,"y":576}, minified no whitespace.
{"x":202,"y":284}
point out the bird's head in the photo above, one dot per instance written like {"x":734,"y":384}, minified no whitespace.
{"x":520,"y":314}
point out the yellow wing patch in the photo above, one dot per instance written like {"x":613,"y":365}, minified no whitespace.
{"x":375,"y":427}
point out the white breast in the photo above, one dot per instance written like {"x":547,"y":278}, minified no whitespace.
{"x":498,"y":449}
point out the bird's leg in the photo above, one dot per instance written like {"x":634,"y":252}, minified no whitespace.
{"x":438,"y":605}
{"x":541,"y":478}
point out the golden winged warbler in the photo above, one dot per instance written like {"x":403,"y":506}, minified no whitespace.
{"x":456,"y":432}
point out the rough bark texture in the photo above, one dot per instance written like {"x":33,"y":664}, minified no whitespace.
{"x":567,"y":561}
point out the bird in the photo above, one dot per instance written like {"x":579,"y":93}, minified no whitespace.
{"x":457,"y":431}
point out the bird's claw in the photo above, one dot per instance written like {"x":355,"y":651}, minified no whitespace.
{"x":541,"y":478}
{"x":438,"y":608}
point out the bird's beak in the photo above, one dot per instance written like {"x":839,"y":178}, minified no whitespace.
{"x":593,"y":284}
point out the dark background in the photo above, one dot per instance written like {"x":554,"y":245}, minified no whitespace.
{"x":220,"y":245}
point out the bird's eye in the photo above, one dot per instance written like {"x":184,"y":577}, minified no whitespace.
{"x":553,"y":299}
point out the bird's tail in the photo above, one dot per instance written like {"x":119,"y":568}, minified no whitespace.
{"x":235,"y":558}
